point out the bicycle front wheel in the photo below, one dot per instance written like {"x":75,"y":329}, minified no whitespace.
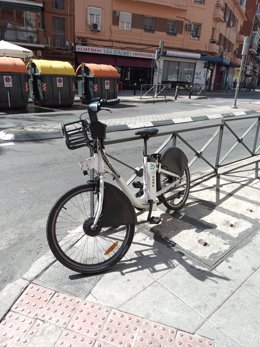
{"x":72,"y":240}
{"x":176,"y":197}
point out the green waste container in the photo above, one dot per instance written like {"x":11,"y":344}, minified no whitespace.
{"x":13,"y":84}
{"x":97,"y":81}
{"x":52,"y":83}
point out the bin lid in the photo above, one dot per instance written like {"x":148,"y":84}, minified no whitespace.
{"x":16,"y":65}
{"x":53,"y":67}
{"x":101,"y":70}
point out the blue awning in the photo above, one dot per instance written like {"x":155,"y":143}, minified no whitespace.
{"x":217,"y":60}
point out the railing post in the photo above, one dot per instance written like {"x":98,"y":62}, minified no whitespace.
{"x":219,"y":146}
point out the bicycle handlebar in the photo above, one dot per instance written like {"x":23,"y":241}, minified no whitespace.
{"x":94,"y":107}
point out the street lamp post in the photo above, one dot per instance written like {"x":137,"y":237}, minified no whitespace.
{"x":244,"y":55}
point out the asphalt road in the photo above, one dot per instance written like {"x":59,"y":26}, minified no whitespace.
{"x":35,"y":174}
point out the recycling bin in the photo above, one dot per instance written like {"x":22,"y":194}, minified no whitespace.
{"x":52,"y":83}
{"x":97,"y":81}
{"x":13,"y":83}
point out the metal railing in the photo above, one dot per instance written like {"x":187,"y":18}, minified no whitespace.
{"x":222,"y":130}
{"x":153,"y":90}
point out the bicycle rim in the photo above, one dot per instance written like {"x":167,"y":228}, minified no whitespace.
{"x":176,"y":197}
{"x":73,"y":246}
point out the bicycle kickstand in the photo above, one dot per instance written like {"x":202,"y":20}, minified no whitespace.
{"x":152,"y":219}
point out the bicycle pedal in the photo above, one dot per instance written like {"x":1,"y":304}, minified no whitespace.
{"x":154,"y":220}
{"x":137,"y":184}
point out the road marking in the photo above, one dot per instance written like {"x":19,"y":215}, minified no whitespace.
{"x":6,"y":144}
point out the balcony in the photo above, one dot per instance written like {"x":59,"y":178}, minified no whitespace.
{"x":213,"y":47}
{"x":240,"y":38}
{"x":218,"y":13}
{"x":181,"y":4}
{"x":19,"y":34}
{"x":258,"y":15}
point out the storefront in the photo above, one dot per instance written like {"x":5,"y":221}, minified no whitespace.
{"x":180,"y":68}
{"x":219,"y":74}
{"x":135,"y":68}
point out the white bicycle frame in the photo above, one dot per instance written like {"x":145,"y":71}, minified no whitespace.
{"x":100,"y":164}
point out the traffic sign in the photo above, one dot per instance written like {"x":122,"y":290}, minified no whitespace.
{"x":8,"y":81}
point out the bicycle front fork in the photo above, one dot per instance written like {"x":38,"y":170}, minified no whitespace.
{"x":96,"y":213}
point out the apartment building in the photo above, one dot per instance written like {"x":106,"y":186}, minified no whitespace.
{"x":59,"y":26}
{"x":45,"y":27}
{"x":200,"y":39}
{"x":251,"y":28}
{"x":21,"y":22}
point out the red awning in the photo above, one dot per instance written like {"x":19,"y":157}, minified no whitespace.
{"x":133,"y":62}
{"x":95,"y":58}
{"x":113,"y":60}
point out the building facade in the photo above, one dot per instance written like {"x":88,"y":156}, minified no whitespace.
{"x":45,"y":27}
{"x":21,"y":22}
{"x":200,"y":39}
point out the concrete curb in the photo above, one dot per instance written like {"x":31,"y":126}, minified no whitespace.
{"x":50,"y":131}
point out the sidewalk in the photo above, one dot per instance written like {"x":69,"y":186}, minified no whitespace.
{"x":193,"y":280}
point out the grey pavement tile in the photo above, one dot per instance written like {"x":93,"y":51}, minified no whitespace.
{"x":220,"y":339}
{"x":154,"y":257}
{"x":253,"y":283}
{"x":59,"y":278}
{"x":243,"y":262}
{"x":118,"y":286}
{"x":157,"y":304}
{"x":239,"y":318}
{"x":201,"y":289}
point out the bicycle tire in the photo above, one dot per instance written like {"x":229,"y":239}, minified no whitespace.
{"x":74,"y":248}
{"x":179,"y":193}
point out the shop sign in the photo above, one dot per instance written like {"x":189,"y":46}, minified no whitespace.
{"x":111,"y":51}
{"x":8,"y":81}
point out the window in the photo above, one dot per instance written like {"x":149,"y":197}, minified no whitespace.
{"x":196,"y":31}
{"x":176,"y":71}
{"x":58,"y":4}
{"x":200,"y":1}
{"x":58,"y":29}
{"x":125,"y":20}
{"x":172,"y":27}
{"x":94,"y":16}
{"x":149,"y":24}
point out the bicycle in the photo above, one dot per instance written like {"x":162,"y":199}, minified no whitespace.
{"x":91,"y":227}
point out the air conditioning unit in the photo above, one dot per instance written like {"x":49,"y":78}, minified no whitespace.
{"x":189,"y":26}
{"x":94,"y":27}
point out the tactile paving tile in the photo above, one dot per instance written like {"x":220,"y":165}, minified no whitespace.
{"x":17,"y":329}
{"x":89,"y":319}
{"x":121,"y":329}
{"x":155,"y":335}
{"x":60,"y":309}
{"x":72,"y":339}
{"x":33,"y":299}
{"x":102,"y":344}
{"x":184,"y":339}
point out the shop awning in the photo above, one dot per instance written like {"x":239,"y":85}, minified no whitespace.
{"x":217,"y":60}
{"x":49,"y":67}
{"x":100,"y":70}
{"x":12,"y":65}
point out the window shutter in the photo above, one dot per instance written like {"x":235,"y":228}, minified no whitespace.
{"x":179,"y":27}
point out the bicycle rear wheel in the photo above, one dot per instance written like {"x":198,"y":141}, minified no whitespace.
{"x":176,"y":197}
{"x":75,"y":244}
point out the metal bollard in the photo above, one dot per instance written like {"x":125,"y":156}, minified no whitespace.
{"x":176,"y":93}
{"x":134,"y":88}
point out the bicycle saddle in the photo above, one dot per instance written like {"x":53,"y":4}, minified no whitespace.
{"x":146,"y":133}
